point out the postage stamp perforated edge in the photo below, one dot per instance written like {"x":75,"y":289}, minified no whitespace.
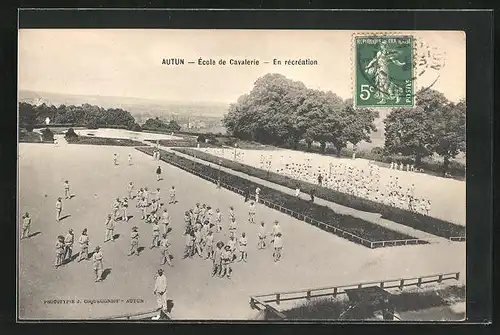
{"x":380,"y":33}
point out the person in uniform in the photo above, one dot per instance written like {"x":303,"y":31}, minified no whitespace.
{"x":67,"y":195}
{"x":84,"y":246}
{"x":172,"y":196}
{"x":25,"y":225}
{"x":158,"y":173}
{"x":157,"y":195}
{"x":154,"y":206}
{"x":209,"y":242}
{"x":218,"y":220}
{"x":165,"y":220}
{"x":129,"y":159}
{"x":161,"y":292}
{"x":134,"y":242}
{"x":187,"y":222}
{"x":251,"y":212}
{"x":226,"y":259}
{"x":156,"y":235}
{"x":97,"y":259}
{"x":165,"y":254}
{"x":197,"y":241}
{"x":124,"y":206}
{"x":68,"y":245}
{"x":130,"y":189}
{"x":231,"y":243}
{"x":143,"y":205}
{"x":58,"y":209}
{"x":232,"y":219}
{"x":217,"y":259}
{"x":139,"y":196}
{"x":59,"y":251}
{"x":276,"y":229}
{"x":242,"y":244}
{"x":188,"y":250}
{"x":110,"y":229}
{"x":278,"y":246}
{"x":196,"y":212}
{"x":146,"y":195}
{"x":116,"y":208}
{"x":257,"y":193}
{"x":262,"y":236}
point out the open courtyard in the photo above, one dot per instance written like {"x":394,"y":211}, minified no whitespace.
{"x":311,"y":257}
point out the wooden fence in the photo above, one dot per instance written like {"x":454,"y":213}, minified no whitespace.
{"x":262,"y":302}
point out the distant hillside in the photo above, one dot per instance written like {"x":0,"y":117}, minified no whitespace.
{"x":139,"y":108}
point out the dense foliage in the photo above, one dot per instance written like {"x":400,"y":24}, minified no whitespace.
{"x":280,"y":111}
{"x":85,"y":115}
{"x":159,"y":125}
{"x":47,"y":135}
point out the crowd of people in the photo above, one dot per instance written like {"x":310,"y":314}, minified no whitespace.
{"x":361,"y":181}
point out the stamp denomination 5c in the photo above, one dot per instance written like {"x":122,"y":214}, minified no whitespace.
{"x":384,"y":71}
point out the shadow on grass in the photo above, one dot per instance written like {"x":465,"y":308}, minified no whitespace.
{"x":140,"y":249}
{"x":115,"y":236}
{"x":34,"y":234}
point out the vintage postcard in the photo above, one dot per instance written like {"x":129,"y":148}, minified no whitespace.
{"x":241,"y":175}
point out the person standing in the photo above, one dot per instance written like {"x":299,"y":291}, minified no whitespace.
{"x":172,"y":196}
{"x":217,"y":259}
{"x":134,"y":242}
{"x":262,"y":236}
{"x":209,"y":242}
{"x":231,"y":243}
{"x":232,"y":219}
{"x":116,"y":208}
{"x":68,"y":245}
{"x":297,"y":191}
{"x":115,"y":159}
{"x":197,"y":242}
{"x":226,"y":259}
{"x":110,"y":229}
{"x":247,"y":193}
{"x":156,"y":235}
{"x":130,"y":189}
{"x":320,"y":179}
{"x":124,"y":206}
{"x":25,"y":225}
{"x":59,"y":251}
{"x":251,"y":212}
{"x":218,"y":220}
{"x":84,"y":245}
{"x":278,"y":246}
{"x":165,"y":254}
{"x":276,"y":229}
{"x":188,"y":250}
{"x":165,"y":220}
{"x":158,"y":173}
{"x":67,"y":195}
{"x":58,"y":209}
{"x":257,"y":193}
{"x":97,"y":259}
{"x":311,"y":194}
{"x":129,"y":159}
{"x":161,"y":293}
{"x":243,"y":248}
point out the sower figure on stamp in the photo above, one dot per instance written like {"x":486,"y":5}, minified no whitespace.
{"x":110,"y":229}
{"x":25,"y":225}
{"x":68,"y":245}
{"x":59,"y":251}
{"x":58,"y":209}
{"x":84,"y":246}
{"x":161,"y":293}
{"x":134,"y":242}
{"x":97,"y":264}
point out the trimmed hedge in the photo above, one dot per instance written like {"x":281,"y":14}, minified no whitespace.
{"x":407,"y":218}
{"x":103,"y":141}
{"x":310,"y":212}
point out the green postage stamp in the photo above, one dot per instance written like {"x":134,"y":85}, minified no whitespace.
{"x":383,"y":71}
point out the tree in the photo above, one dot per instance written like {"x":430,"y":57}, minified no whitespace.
{"x":449,"y":132}
{"x":173,"y":126}
{"x":70,"y":135}
{"x":47,"y":135}
{"x":408,"y":131}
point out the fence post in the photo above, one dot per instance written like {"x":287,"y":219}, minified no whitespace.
{"x":419,"y":283}
{"x":277,"y":298}
{"x":308,"y":296}
{"x":401,"y":284}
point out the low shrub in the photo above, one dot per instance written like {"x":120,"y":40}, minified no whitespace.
{"x":407,"y":218}
{"x":310,"y":212}
{"x":92,"y":140}
{"x":29,"y":137}
{"x":47,"y":135}
{"x":71,"y":136}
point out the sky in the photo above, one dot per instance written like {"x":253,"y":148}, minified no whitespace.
{"x":128,"y":63}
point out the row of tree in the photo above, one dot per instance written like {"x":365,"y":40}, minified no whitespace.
{"x":86,"y":115}
{"x":279,"y":111}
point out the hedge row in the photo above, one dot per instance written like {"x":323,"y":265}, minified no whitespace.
{"x":322,"y":216}
{"x":405,"y":217}
{"x":103,"y":141}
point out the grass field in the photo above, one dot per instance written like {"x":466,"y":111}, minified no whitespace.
{"x":311,"y":257}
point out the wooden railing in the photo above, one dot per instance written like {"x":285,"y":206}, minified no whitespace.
{"x":262,"y":302}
